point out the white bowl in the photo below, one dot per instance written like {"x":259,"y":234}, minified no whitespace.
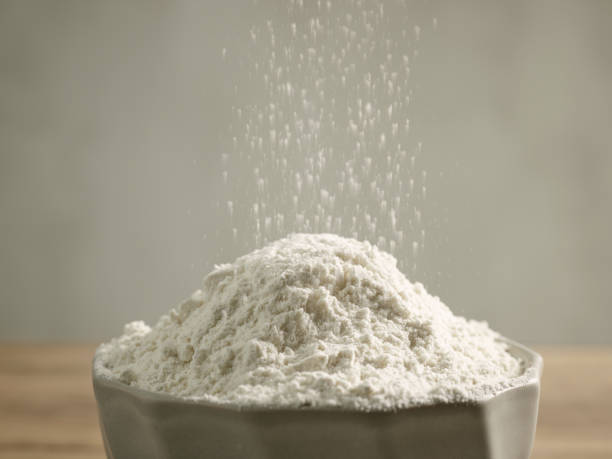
{"x":141,"y":424}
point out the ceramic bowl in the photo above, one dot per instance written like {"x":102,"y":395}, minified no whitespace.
{"x":140,"y":424}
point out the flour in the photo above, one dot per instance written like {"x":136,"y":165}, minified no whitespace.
{"x":313,"y":320}
{"x":325,"y":134}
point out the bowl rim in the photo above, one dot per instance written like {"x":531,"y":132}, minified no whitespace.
{"x":532,"y":372}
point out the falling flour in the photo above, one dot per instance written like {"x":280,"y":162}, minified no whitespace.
{"x":325,"y":132}
{"x":313,"y":320}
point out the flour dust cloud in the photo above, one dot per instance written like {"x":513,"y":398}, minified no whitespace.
{"x":325,"y":131}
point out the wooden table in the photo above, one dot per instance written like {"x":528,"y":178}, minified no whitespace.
{"x":47,"y":408}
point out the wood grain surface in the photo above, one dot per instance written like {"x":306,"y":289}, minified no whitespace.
{"x":47,"y":408}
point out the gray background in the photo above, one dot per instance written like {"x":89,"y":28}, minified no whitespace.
{"x":111,"y":123}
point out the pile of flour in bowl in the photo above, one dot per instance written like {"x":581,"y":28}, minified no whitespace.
{"x":313,"y":320}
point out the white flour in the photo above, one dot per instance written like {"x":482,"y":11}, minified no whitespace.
{"x":313,"y":319}
{"x":331,"y":142}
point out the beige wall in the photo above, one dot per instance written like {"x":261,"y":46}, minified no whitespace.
{"x":111,"y":123}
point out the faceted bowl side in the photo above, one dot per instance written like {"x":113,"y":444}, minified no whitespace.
{"x":140,"y":424}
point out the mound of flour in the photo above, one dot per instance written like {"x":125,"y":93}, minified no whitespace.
{"x":312,"y":320}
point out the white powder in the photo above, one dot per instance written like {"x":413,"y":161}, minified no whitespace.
{"x":325,"y":134}
{"x":313,"y":319}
